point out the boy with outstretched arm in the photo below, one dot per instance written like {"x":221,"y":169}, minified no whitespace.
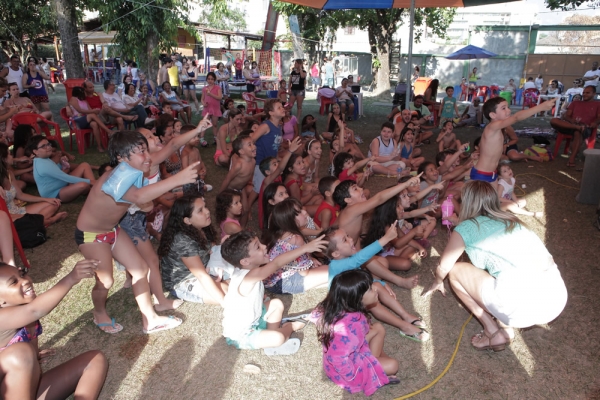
{"x":240,"y":173}
{"x":248,"y":323}
{"x":97,"y":230}
{"x":492,"y":141}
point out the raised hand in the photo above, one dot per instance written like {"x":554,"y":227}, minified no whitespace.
{"x":415,"y":180}
{"x":294,"y":144}
{"x":188,"y":175}
{"x":82,"y":270}
{"x":391,"y":233}
{"x":547,"y":105}
{"x":316,"y":245}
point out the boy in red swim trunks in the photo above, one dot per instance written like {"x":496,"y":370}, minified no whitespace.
{"x":97,"y":233}
{"x":492,"y":141}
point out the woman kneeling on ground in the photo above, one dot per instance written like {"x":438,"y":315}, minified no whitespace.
{"x":512,"y":282}
{"x":20,"y":373}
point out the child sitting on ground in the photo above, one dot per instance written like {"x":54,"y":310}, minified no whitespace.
{"x":310,"y":131}
{"x":191,"y":155}
{"x":284,"y":234}
{"x":416,"y":216}
{"x":185,"y":252}
{"x":312,"y":158}
{"x":407,"y":151}
{"x":228,"y":212}
{"x":97,"y":227}
{"x":248,"y":322}
{"x":63,"y":160}
{"x":241,"y":171}
{"x":447,"y":138}
{"x":344,"y":257}
{"x":345,"y":169}
{"x":306,"y":193}
{"x":326,"y":214}
{"x":272,"y":168}
{"x":506,"y":191}
{"x":20,"y":328}
{"x":353,"y":356}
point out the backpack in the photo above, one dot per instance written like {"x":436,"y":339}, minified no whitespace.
{"x":31,"y":230}
{"x":539,"y":151}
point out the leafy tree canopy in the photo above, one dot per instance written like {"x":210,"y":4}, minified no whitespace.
{"x":570,"y":4}
{"x":218,"y":17}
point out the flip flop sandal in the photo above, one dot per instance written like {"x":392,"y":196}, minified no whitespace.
{"x":299,"y":318}
{"x":288,"y":348}
{"x":393,"y":380}
{"x":417,"y":337}
{"x":422,"y":325}
{"x":494,"y":347}
{"x":173,"y":322}
{"x":115,"y":327}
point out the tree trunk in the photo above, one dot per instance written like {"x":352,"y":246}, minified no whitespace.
{"x":151,"y":57}
{"x":380,"y":45}
{"x":67,"y":26}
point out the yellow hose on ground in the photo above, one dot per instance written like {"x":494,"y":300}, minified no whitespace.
{"x":462,"y":331}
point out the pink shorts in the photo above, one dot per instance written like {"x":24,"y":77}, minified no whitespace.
{"x":218,"y":153}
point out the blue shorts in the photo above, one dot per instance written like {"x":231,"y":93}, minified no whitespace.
{"x":291,"y":285}
{"x":135,"y":226}
{"x":248,"y":341}
{"x":477,"y":175}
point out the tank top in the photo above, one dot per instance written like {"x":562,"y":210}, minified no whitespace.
{"x":16,"y":77}
{"x":405,"y":152}
{"x":385,"y":149}
{"x":268,"y":145}
{"x":297,"y":80}
{"x":326,"y":206}
{"x":288,"y":128}
{"x":235,"y":221}
{"x":83,"y":105}
{"x":241,"y":313}
{"x":39,"y":89}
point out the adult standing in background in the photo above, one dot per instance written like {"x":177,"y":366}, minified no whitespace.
{"x":46,"y":68}
{"x":416,"y":73}
{"x":14,"y":73}
{"x":539,"y":82}
{"x":174,"y":73}
{"x":33,"y":81}
{"x":247,"y":73}
{"x":163,"y":73}
{"x":329,"y":74}
{"x":315,"y":78}
{"x":591,"y":77}
{"x":297,"y":87}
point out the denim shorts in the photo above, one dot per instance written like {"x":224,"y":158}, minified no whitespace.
{"x":135,"y":226}
{"x":291,"y":285}
{"x":188,"y":85}
{"x":189,"y":289}
{"x":297,"y":93}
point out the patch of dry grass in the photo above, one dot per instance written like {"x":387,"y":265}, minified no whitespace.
{"x":560,"y":360}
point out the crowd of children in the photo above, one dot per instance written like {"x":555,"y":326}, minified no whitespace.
{"x":318,"y":231}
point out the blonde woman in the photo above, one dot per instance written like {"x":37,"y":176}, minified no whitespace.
{"x":512,"y":277}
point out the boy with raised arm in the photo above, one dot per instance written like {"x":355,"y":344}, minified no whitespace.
{"x":248,"y":322}
{"x":97,"y":230}
{"x":492,"y":141}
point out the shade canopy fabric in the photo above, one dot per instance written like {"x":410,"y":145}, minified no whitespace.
{"x":360,"y":4}
{"x":96,"y":37}
{"x":471,"y":52}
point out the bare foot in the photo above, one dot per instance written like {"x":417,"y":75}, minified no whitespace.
{"x":408,"y":283}
{"x":538,"y":214}
{"x":168,"y":304}
{"x":297,"y":325}
{"x":61,"y":216}
{"x":128,"y":281}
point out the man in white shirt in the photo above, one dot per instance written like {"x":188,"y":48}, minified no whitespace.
{"x":14,"y":73}
{"x":591,"y":77}
{"x":576,"y":89}
{"x":530,"y":84}
{"x":115,"y":102}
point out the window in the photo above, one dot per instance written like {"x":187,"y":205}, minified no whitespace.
{"x":349,"y":30}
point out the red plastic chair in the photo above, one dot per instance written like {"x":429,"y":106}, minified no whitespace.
{"x":15,"y":235}
{"x":33,"y":120}
{"x":84,"y":137}
{"x":464,"y":92}
{"x":325,"y":103}
{"x":251,"y":103}
{"x":559,"y":138}
{"x":530,"y":98}
{"x":483,"y":92}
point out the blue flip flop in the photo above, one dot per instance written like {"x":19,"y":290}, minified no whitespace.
{"x":116,"y":328}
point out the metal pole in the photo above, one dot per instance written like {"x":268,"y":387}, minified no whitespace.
{"x":410,"y":50}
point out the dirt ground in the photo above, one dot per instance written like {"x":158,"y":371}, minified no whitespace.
{"x":556,"y":361}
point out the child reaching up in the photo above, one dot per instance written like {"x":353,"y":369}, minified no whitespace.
{"x":447,"y":138}
{"x":306,"y":193}
{"x":344,"y":168}
{"x":508,"y":199}
{"x":344,"y":257}
{"x":97,"y":227}
{"x":248,"y":322}
{"x":20,"y":373}
{"x":353,"y":356}
{"x":228,"y":212}
{"x":191,"y":155}
{"x":185,"y":252}
{"x":326,"y":214}
{"x":240,"y":173}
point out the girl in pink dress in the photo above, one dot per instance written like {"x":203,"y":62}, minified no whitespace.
{"x":353,"y":356}
{"x":211,"y":100}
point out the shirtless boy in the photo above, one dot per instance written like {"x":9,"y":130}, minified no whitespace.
{"x":354,"y":205}
{"x":492,"y":141}
{"x":240,"y":174}
{"x":97,"y":233}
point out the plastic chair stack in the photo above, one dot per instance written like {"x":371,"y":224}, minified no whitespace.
{"x":34,"y":120}
{"x":252,"y":103}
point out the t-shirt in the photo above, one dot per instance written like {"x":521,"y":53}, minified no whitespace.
{"x":432,"y":196}
{"x":539,"y":82}
{"x":472,"y":110}
{"x":586,"y":110}
{"x":50,"y":179}
{"x":529,"y":85}
{"x":574,"y":91}
{"x":423,"y":110}
{"x":239,"y":63}
{"x":297,"y":80}
{"x":114,"y":101}
{"x":94,"y":101}
{"x":343,"y":94}
{"x":328,"y":70}
{"x":336,"y":267}
{"x":173,"y":269}
{"x":589,"y":74}
{"x":345,"y":177}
